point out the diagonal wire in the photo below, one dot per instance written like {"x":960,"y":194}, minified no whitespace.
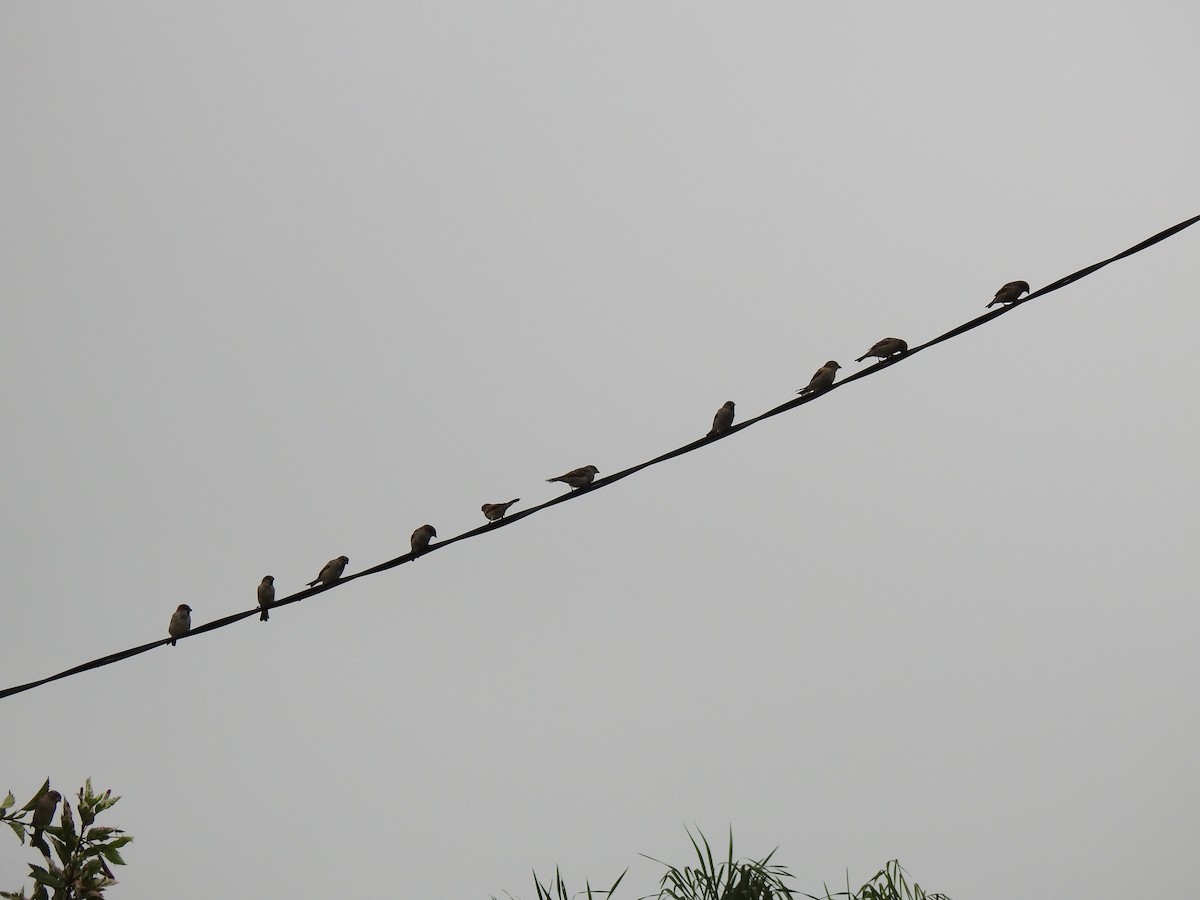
{"x":616,"y":476}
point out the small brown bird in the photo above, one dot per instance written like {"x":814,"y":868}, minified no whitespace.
{"x":1010,"y":292}
{"x":821,"y":380}
{"x":723,"y":419}
{"x":886,"y":349}
{"x":266,"y":596}
{"x":331,"y":571}
{"x":43,"y":813}
{"x":578,"y":478}
{"x":496,"y":511}
{"x":420,"y":539}
{"x":181,"y":622}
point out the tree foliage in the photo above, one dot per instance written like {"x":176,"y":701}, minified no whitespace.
{"x":79,"y":868}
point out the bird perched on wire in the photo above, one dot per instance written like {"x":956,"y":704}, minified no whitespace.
{"x":331,"y":571}
{"x":181,"y":622}
{"x":886,"y":349}
{"x":495,"y":511}
{"x":577,"y":478}
{"x":1010,"y":292}
{"x":43,"y":814}
{"x":266,"y":595}
{"x":420,"y":539}
{"x":722,"y":420}
{"x":821,"y":379}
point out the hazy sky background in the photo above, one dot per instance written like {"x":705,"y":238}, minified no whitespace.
{"x":284,"y":281}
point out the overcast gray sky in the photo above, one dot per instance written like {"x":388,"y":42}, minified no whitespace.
{"x":284,"y":281}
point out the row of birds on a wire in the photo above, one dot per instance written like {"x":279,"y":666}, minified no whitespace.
{"x":822,"y":380}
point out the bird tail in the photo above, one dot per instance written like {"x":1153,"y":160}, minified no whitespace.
{"x":264,"y":617}
{"x":861,"y":358}
{"x":172,"y":642}
{"x":313,"y":583}
{"x":990,"y":305}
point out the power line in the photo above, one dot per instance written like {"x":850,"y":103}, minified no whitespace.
{"x":617,"y":476}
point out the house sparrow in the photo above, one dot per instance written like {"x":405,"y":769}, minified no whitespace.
{"x":578,"y":478}
{"x":886,"y":349}
{"x":43,"y":813}
{"x":722,"y":420}
{"x":420,"y":539}
{"x":331,"y":572}
{"x":266,"y":595}
{"x":181,"y":622}
{"x":1010,"y":292}
{"x":496,"y":511}
{"x":821,"y":380}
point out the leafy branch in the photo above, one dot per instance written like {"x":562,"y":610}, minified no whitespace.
{"x":81,"y":871}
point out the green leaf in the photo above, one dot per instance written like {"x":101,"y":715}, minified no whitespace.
{"x":68,"y":822}
{"x":41,"y":876}
{"x":28,"y":807}
{"x":104,"y":802}
{"x":60,"y":849}
{"x":110,"y":853}
{"x":9,"y":800}
{"x":618,"y":881}
{"x":19,"y":829}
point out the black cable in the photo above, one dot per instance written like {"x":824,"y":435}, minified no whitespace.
{"x":617,"y":476}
